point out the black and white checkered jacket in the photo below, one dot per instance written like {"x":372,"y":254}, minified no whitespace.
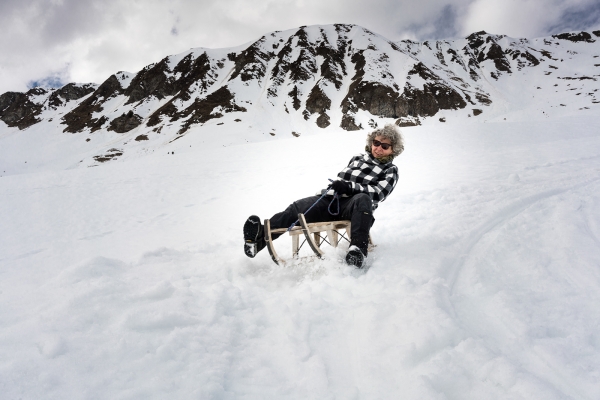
{"x":367,"y":175}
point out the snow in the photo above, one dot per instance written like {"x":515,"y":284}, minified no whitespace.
{"x":124,"y":78}
{"x":128,"y":280}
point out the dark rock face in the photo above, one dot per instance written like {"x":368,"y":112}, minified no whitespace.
{"x":416,"y":102}
{"x":81,"y":117}
{"x":110,"y":154}
{"x":446,"y":97}
{"x":496,"y":54}
{"x":193,"y":72}
{"x":195,"y":76}
{"x":525,"y":59}
{"x":385,"y":101}
{"x":374,"y":97}
{"x":168,"y":111}
{"x":202,"y":109}
{"x":318,"y":103}
{"x":67,"y":93}
{"x":333,"y":68}
{"x":125,"y":122}
{"x":17,"y":110}
{"x":158,"y":80}
{"x":477,"y":44}
{"x":476,"y":39}
{"x":297,"y":63}
{"x":349,"y":103}
{"x":301,"y":69}
{"x":250,"y":63}
{"x":576,"y":37}
{"x":323,"y":121}
{"x":151,"y":81}
{"x":483,"y":98}
{"x":349,"y":124}
{"x":295,"y":100}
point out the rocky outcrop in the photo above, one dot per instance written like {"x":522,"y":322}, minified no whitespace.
{"x":82,"y":116}
{"x":385,"y":101}
{"x":125,"y":122}
{"x":212,"y":106}
{"x":151,"y":81}
{"x":250,"y":63}
{"x":69,"y":92}
{"x":17,"y":109}
{"x":188,"y":77}
{"x":195,"y":78}
{"x":294,"y":95}
{"x":349,"y":123}
{"x":318,"y":103}
{"x":111,"y":154}
{"x":577,"y":37}
{"x":485,"y":47}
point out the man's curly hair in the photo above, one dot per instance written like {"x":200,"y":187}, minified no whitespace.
{"x":391,"y":132}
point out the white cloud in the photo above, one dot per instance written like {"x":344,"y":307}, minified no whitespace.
{"x":520,"y":18}
{"x":87,"y":40}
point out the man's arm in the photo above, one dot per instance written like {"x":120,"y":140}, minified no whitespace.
{"x":378,"y":190}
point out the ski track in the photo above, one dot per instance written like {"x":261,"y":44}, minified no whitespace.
{"x":496,"y":343}
{"x":501,"y":217}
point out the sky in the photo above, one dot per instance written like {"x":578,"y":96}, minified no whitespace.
{"x":50,"y":43}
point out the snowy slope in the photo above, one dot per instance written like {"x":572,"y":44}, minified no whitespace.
{"x":128,"y":280}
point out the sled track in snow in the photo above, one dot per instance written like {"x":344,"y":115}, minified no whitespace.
{"x":500,"y":218}
{"x":496,"y":342}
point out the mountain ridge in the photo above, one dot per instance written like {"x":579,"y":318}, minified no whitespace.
{"x":321,"y":76}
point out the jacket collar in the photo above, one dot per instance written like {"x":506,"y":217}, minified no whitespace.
{"x":369,"y":156}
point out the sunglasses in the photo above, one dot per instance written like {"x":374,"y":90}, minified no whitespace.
{"x":384,"y":146}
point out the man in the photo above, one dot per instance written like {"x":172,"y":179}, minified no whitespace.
{"x":368,"y":179}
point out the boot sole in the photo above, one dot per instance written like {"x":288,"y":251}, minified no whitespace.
{"x":252,"y":229}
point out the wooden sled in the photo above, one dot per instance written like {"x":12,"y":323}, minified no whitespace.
{"x":312,"y":236}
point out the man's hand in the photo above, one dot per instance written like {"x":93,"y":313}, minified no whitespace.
{"x":342,"y":187}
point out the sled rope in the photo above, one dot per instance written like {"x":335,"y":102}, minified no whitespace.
{"x":335,"y":197}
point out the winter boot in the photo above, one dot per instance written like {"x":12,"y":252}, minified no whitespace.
{"x":355,"y":257}
{"x":254,"y":238}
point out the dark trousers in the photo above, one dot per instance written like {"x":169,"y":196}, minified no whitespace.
{"x":358,"y":209}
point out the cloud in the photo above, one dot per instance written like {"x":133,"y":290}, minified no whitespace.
{"x":578,"y":18}
{"x":88,"y":40}
{"x":530,"y":18}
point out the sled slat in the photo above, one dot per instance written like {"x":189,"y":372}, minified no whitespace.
{"x":332,"y":235}
{"x":269,"y":243}
{"x":297,"y":230}
{"x":312,"y":240}
{"x":295,"y":245}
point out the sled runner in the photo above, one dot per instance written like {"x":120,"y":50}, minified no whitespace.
{"x":311,"y":233}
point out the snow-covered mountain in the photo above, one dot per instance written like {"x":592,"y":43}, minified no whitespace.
{"x":303,"y":80}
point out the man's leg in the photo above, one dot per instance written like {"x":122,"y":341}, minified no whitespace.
{"x":359,"y":210}
{"x":253,"y":229}
{"x":287,"y":217}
